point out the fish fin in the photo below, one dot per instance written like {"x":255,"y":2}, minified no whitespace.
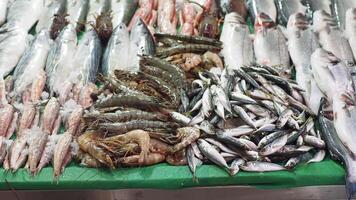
{"x":350,"y":188}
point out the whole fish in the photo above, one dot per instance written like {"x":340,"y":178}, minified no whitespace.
{"x":331,"y":37}
{"x":271,"y":46}
{"x":51,"y":9}
{"x":350,"y":29}
{"x":51,"y":119}
{"x":59,"y":66}
{"x":19,"y":150}
{"x":13,"y":42}
{"x":77,"y":13}
{"x":229,"y":6}
{"x":3,"y":11}
{"x":193,"y":162}
{"x":25,"y":13}
{"x":287,"y":8}
{"x":236,"y":42}
{"x":62,"y":154}
{"x":256,"y":7}
{"x":325,"y":5}
{"x":87,"y":58}
{"x":96,"y":7}
{"x":141,"y":43}
{"x":37,"y":145}
{"x":167,"y":18}
{"x":123,"y":10}
{"x":257,"y":166}
{"x":48,"y":152}
{"x":116,"y":54}
{"x":30,"y":69}
{"x":340,"y":9}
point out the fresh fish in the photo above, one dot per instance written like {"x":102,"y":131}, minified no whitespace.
{"x":123,"y":10}
{"x":236,"y":42}
{"x":350,"y":29}
{"x":256,"y":7}
{"x":87,"y":58}
{"x":325,"y":5}
{"x":116,"y":56}
{"x":287,"y":8}
{"x":51,"y":9}
{"x":37,"y":144}
{"x":62,"y":154}
{"x":270,"y":45}
{"x":331,"y":37}
{"x":18,"y":151}
{"x":167,"y":18}
{"x":239,"y":131}
{"x":244,"y":116}
{"x":3,"y":11}
{"x":13,"y":41}
{"x":141,"y":43}
{"x":235,"y":165}
{"x":229,"y":6}
{"x":219,"y":93}
{"x":77,"y":13}
{"x":179,"y":118}
{"x":318,"y":157}
{"x":193,"y":162}
{"x":302,"y":42}
{"x":48,"y":152}
{"x":274,"y":146}
{"x":212,"y":154}
{"x":314,"y":141}
{"x":340,"y":10}
{"x":25,"y":13}
{"x":292,"y":162}
{"x":221,"y":146}
{"x":30,"y":68}
{"x":256,"y":166}
{"x":207,"y":105}
{"x":59,"y":66}
{"x":96,"y":7}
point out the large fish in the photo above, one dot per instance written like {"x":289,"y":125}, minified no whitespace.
{"x":3,"y":11}
{"x":123,"y":10}
{"x":270,"y":45}
{"x":141,"y":43}
{"x":331,"y":37}
{"x":30,"y":69}
{"x":25,"y":13}
{"x":77,"y":12}
{"x":59,"y":66}
{"x":238,"y":6}
{"x":341,"y":6}
{"x":350,"y":29}
{"x":256,"y":7}
{"x":302,"y":42}
{"x":117,"y":51}
{"x":13,"y":41}
{"x":286,"y":8}
{"x":87,"y":58}
{"x":96,"y":7}
{"x":52,"y":8}
{"x":236,"y":42}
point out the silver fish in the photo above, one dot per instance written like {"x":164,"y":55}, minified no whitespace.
{"x":207,"y":105}
{"x":350,"y":29}
{"x":123,"y":11}
{"x":51,"y":8}
{"x":331,"y":37}
{"x":236,"y":42}
{"x":218,"y":92}
{"x":287,"y":8}
{"x":244,"y":116}
{"x":77,"y":12}
{"x":116,"y":53}
{"x":193,"y":162}
{"x":256,"y":166}
{"x":87,"y":57}
{"x":96,"y":7}
{"x":3,"y":11}
{"x":179,"y":118}
{"x":212,"y":154}
{"x":318,"y":157}
{"x":221,"y":146}
{"x":257,"y":7}
{"x":274,"y":146}
{"x":235,"y":165}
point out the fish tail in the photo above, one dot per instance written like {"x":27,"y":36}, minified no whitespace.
{"x":350,"y":188}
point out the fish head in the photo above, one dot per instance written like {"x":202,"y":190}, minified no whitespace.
{"x":298,"y":21}
{"x":263,"y":22}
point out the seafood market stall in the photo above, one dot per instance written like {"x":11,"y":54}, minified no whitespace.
{"x":170,"y":94}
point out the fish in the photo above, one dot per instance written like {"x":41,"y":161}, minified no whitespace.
{"x":325,"y":5}
{"x":256,"y":7}
{"x":302,"y":42}
{"x":123,"y":11}
{"x":116,"y":55}
{"x":340,"y":9}
{"x":274,"y":146}
{"x":77,"y":13}
{"x":62,"y":154}
{"x":167,"y":19}
{"x":18,"y":151}
{"x":235,"y":165}
{"x":87,"y":58}
{"x":96,"y":7}
{"x":287,"y":8}
{"x":229,"y":6}
{"x":193,"y":162}
{"x":51,"y":9}
{"x":257,"y":166}
{"x":25,"y":13}
{"x":350,"y":29}
{"x":237,"y":42}
{"x":331,"y":37}
{"x":292,"y":162}
{"x":141,"y":43}
{"x":3,"y":11}
{"x":212,"y":154}
{"x":48,"y":152}
{"x":37,"y":144}
{"x":30,"y":69}
{"x":270,"y":45}
{"x":59,"y":64}
{"x":13,"y":42}
{"x":318,"y":157}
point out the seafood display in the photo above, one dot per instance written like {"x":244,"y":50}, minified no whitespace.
{"x":254,"y":86}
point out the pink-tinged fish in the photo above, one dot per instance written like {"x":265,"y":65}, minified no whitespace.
{"x":167,"y":19}
{"x":37,"y":144}
{"x":62,"y":154}
{"x":147,"y":12}
{"x":27,"y":117}
{"x":48,"y":152}
{"x":50,"y":116}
